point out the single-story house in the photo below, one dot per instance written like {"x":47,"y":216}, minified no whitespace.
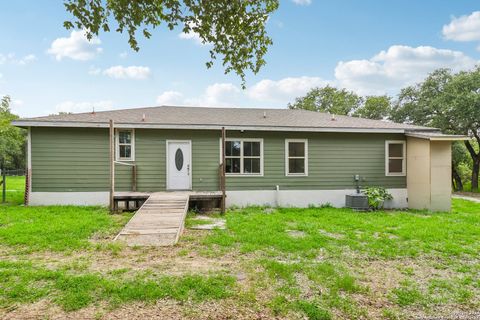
{"x":277,"y":157}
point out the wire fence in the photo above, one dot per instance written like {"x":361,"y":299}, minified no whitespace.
{"x":12,"y":186}
{"x":14,"y":172}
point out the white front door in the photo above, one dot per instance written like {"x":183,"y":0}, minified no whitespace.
{"x":179,"y":167}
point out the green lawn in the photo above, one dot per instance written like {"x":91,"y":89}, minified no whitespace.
{"x":332,"y":247}
{"x":468,"y":187}
{"x":319,"y":263}
{"x":15,"y":187}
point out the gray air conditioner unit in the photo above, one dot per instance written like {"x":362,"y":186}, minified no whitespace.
{"x":357,"y":201}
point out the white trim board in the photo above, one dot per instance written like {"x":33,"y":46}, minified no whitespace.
{"x":403,"y":158}
{"x":117,"y":145}
{"x":287,"y":158}
{"x":242,"y":140}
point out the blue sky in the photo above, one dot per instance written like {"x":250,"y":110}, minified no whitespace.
{"x":371,"y":47}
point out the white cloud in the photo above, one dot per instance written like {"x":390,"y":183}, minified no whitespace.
{"x":76,"y":47}
{"x":131,"y":72}
{"x":17,"y":105}
{"x":215,"y":95}
{"x":302,"y":2}
{"x":285,"y":89}
{"x":397,"y":67}
{"x":94,"y":71}
{"x":264,"y":92}
{"x":17,"y":102}
{"x":386,"y":72}
{"x":170,"y":98}
{"x":464,"y":28}
{"x":70,"y":106}
{"x":219,"y":95}
{"x":191,"y":36}
{"x":27,"y":59}
{"x":11,"y":58}
{"x":123,"y":55}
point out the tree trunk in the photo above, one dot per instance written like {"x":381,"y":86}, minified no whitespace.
{"x":475,"y":171}
{"x":458,"y":185}
{"x":476,"y":163}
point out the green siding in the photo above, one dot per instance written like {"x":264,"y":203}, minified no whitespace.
{"x":150,"y":156}
{"x":76,"y":159}
{"x":69,"y":159}
{"x":333,"y":159}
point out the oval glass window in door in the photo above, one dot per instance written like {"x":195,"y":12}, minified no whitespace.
{"x":179,"y":159}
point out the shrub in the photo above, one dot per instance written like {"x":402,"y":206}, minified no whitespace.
{"x":377,"y":196}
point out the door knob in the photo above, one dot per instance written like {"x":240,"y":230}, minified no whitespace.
{"x":188,"y":169}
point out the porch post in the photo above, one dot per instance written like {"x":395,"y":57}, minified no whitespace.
{"x":112,"y":165}
{"x":222,"y":173}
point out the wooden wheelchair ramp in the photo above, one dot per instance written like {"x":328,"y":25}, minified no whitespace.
{"x":158,"y":222}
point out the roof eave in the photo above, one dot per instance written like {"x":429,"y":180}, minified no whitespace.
{"x":445,"y":137}
{"x":79,"y":124}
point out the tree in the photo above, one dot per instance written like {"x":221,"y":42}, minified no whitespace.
{"x":12,"y":139}
{"x":423,"y":103}
{"x":460,"y":158}
{"x":374,"y":107}
{"x":328,"y":99}
{"x":450,"y":102}
{"x":462,"y":103}
{"x":235,"y":29}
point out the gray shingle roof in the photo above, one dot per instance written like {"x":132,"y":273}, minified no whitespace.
{"x":436,"y":136}
{"x":181,"y":117}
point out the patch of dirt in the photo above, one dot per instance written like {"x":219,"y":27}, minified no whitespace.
{"x":212,"y":223}
{"x":451,"y":311}
{"x":331,"y":235}
{"x":183,"y":258}
{"x":307,"y":288}
{"x":296,"y":233}
{"x":382,"y":276}
{"x":162,"y":309}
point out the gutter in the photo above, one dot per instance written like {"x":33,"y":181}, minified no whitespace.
{"x":72,"y":124}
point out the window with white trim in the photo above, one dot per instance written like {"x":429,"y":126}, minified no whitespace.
{"x":395,"y":164}
{"x":125,"y":145}
{"x":296,"y":157}
{"x":244,"y":156}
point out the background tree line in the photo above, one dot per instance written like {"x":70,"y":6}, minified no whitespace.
{"x":445,"y":100}
{"x":12,"y":139}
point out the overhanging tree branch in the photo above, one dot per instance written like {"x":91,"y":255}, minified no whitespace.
{"x":234,"y":29}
